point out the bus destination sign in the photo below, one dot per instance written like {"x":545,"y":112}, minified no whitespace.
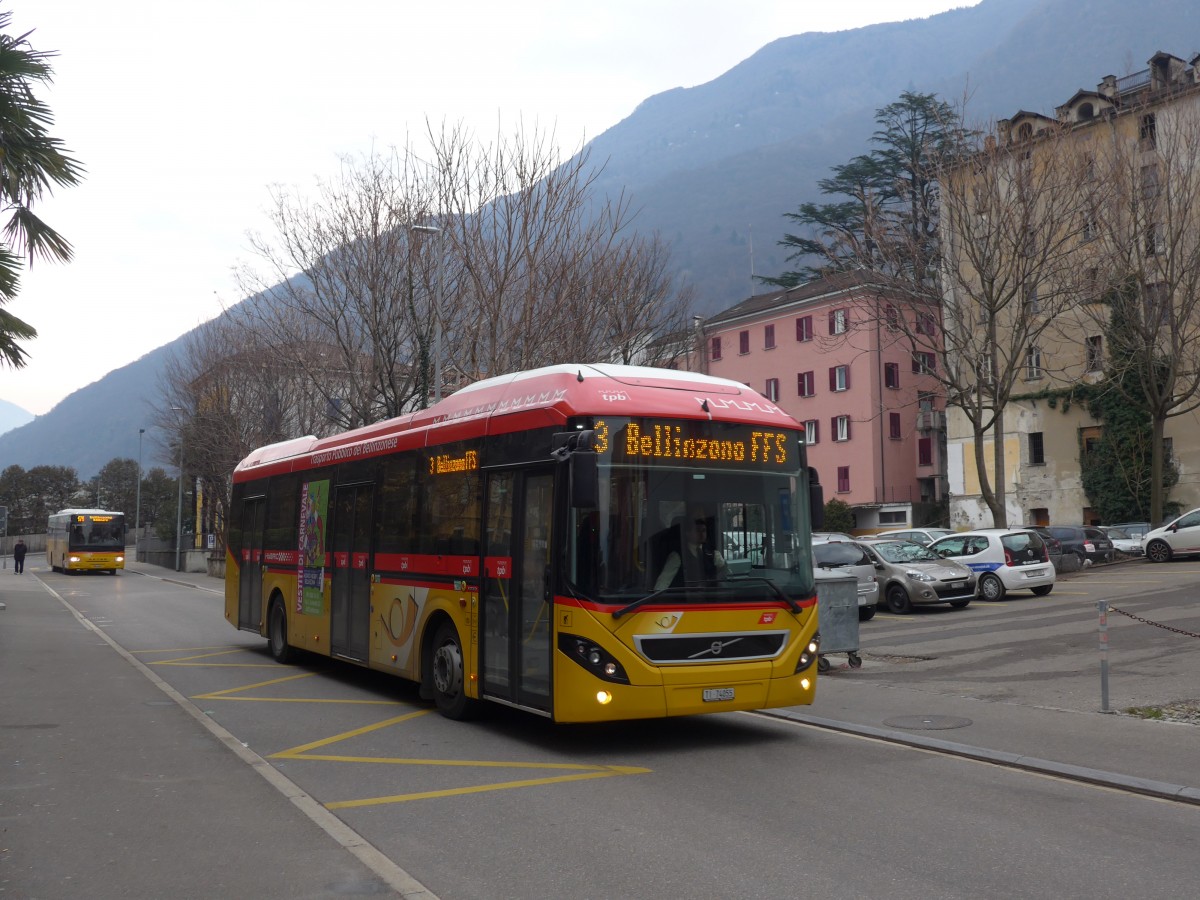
{"x":654,"y":441}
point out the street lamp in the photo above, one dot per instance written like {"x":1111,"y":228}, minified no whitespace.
{"x":179,"y":500}
{"x":137,"y":514}
{"x":437,"y":307}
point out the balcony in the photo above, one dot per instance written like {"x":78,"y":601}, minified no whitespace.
{"x":931,"y":420}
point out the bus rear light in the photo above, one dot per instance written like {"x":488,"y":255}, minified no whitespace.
{"x":592,"y":657}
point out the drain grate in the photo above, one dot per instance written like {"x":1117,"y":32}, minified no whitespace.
{"x":927,"y":723}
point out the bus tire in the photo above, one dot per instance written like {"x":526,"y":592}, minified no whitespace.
{"x":277,"y":633}
{"x":448,"y":674}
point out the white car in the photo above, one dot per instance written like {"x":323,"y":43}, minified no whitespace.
{"x":1176,"y":538}
{"x":1006,"y":559}
{"x":1122,"y":540}
{"x":922,"y":536}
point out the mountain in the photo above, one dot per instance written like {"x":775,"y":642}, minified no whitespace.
{"x":714,"y":168}
{"x":12,"y":416}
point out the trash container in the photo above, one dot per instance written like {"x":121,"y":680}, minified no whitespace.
{"x":837,"y":617}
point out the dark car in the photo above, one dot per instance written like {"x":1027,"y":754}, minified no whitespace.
{"x":1053,"y":544}
{"x":1088,"y":543}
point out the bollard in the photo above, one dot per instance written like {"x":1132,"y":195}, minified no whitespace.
{"x":1102,"y":605}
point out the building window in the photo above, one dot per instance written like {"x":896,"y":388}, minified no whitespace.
{"x":1148,"y":132}
{"x":1156,"y":242}
{"x":843,"y":476}
{"x":1158,"y":303}
{"x":743,"y":342}
{"x":805,"y":384}
{"x":839,"y":378}
{"x":716,"y":348}
{"x":893,"y":517}
{"x":769,"y":337}
{"x":894,"y":426}
{"x":986,"y":373}
{"x":839,"y":320}
{"x":1089,"y":437}
{"x":804,"y":328}
{"x":1037,"y":451}
{"x":926,"y":324}
{"x":1091,"y":228}
{"x":772,"y":391}
{"x":1031,"y":305}
{"x":924,"y":363}
{"x":1150,"y":181}
{"x":925,"y":451}
{"x":812,"y":432}
{"x":1033,"y":364}
{"x":891,"y":316}
{"x":1095,"y":353}
{"x":841,"y":428}
{"x":891,"y":375}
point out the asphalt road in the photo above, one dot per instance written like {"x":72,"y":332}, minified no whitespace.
{"x":734,"y":805}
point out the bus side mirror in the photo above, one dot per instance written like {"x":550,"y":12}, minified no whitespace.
{"x":816,"y":500}
{"x":578,"y":450}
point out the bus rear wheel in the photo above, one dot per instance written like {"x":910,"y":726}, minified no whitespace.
{"x":277,"y":634}
{"x":447,"y":673}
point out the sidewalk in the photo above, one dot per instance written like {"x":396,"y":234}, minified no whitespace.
{"x":1156,"y":758}
{"x":110,"y":788}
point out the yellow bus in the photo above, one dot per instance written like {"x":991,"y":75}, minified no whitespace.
{"x":529,"y":541}
{"x":86,"y":540}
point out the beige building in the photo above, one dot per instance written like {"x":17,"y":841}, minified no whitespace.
{"x":1134,"y":144}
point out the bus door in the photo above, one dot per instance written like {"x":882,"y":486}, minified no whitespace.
{"x":251,"y":564}
{"x":517,"y":618}
{"x":350,"y":587}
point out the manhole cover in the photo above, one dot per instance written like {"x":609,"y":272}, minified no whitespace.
{"x":927,"y":723}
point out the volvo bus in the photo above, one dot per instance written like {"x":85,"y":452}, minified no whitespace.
{"x":86,"y":540}
{"x":508,"y":545}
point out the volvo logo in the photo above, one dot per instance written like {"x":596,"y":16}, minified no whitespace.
{"x":716,"y":648}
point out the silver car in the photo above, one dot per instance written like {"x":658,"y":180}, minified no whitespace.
{"x":909,"y":574}
{"x":848,"y":558}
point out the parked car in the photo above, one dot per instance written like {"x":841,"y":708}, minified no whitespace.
{"x":848,"y":558}
{"x":922,"y":536}
{"x":1122,"y":540}
{"x":1133,"y":529}
{"x":823,"y":536}
{"x":1178,"y":538}
{"x":910,"y":574}
{"x":1005,"y":559}
{"x":1089,"y":543}
{"x":1053,"y":543}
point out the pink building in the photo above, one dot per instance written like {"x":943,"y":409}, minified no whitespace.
{"x":837,"y":356}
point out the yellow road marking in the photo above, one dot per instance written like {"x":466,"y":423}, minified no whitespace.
{"x":346,"y":735}
{"x":482,"y":788}
{"x":249,"y":687}
{"x":225,"y":648}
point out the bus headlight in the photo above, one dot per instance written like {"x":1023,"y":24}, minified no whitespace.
{"x":809,"y":656}
{"x":593,"y":657}
{"x":120,"y":559}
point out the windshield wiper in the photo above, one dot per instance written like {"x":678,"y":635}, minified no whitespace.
{"x":642,"y":601}
{"x":795,"y":607}
{"x":792,"y":604}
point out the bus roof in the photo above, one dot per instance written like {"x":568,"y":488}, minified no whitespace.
{"x":532,"y":399}
{"x":88,"y":512}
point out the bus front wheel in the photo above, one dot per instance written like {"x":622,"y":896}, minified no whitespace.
{"x":277,"y":635}
{"x":448,"y":674}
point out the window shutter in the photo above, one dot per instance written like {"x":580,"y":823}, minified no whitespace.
{"x":833,"y":378}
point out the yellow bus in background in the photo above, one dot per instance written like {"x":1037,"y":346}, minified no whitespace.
{"x":86,"y":540}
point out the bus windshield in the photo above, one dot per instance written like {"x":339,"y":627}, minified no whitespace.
{"x":726,"y":531}
{"x":97,"y":532}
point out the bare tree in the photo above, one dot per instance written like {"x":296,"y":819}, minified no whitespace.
{"x":1012,"y":213}
{"x":337,"y":295}
{"x":544,"y":270}
{"x":1145,"y":259}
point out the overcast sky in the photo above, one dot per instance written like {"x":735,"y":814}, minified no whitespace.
{"x":184,"y":115}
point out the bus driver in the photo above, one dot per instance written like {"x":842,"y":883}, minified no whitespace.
{"x":698,"y":563}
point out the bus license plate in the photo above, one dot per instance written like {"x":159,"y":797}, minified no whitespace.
{"x":712,"y":694}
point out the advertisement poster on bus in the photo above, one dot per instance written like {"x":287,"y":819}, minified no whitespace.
{"x":314,"y":506}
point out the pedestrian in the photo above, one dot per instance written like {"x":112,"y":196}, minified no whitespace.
{"x":19,"y":556}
